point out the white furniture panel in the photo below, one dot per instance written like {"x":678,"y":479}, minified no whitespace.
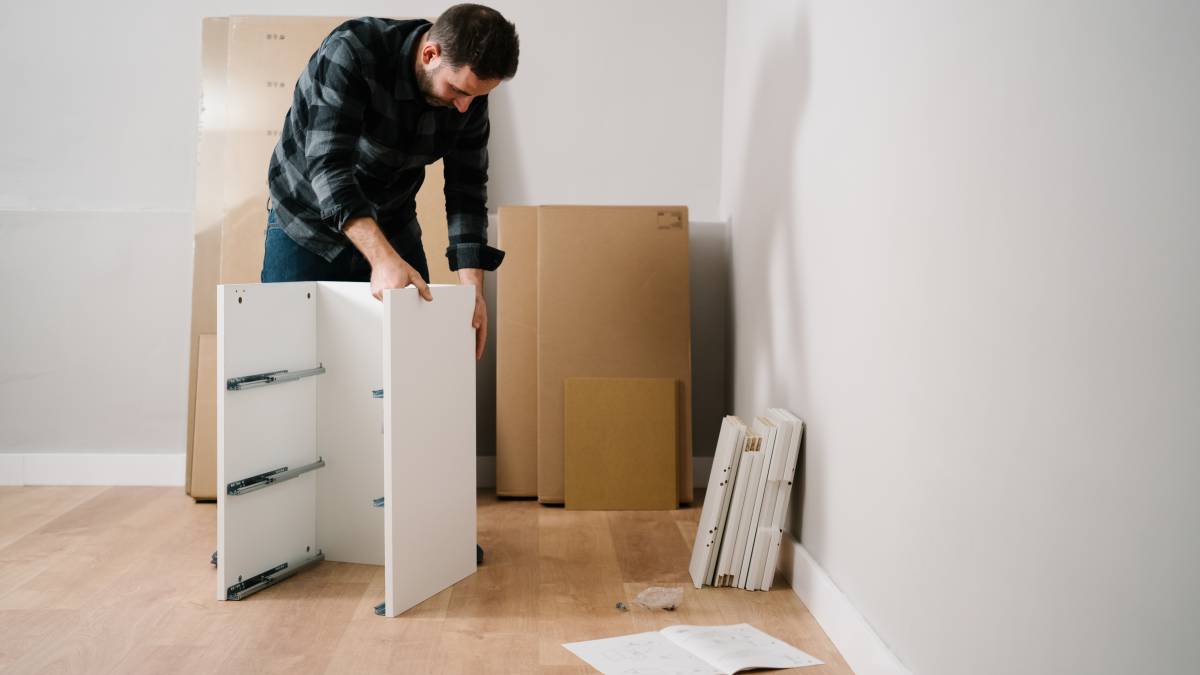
{"x":429,"y":432}
{"x":415,"y":447}
{"x":350,"y":422}
{"x":261,"y":329}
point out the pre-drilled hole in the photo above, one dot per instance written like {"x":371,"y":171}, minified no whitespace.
{"x":239,"y":301}
{"x":308,"y":295}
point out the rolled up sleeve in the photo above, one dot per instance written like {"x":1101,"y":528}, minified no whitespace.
{"x":466,"y":170}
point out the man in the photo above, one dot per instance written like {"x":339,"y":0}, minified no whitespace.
{"x":379,"y":100}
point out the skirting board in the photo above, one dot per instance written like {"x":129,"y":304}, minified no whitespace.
{"x":854,"y":638}
{"x":91,"y":468}
{"x":87,"y":468}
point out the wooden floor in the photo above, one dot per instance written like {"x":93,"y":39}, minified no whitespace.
{"x":117,"y":579}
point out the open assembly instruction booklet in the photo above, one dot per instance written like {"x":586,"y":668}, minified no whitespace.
{"x":691,"y":650}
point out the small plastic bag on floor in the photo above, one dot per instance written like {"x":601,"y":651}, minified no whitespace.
{"x":657,"y":597}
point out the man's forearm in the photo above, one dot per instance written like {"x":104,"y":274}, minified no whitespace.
{"x":366,"y":236}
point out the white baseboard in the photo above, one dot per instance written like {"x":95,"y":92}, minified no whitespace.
{"x":92,"y":468}
{"x":854,"y":638}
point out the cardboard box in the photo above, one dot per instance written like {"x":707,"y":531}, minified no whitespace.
{"x":516,"y":353}
{"x":613,"y":301}
{"x":203,"y":468}
{"x":620,"y":443}
{"x":206,"y":254}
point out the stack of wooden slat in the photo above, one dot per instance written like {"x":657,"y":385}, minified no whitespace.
{"x":741,"y":524}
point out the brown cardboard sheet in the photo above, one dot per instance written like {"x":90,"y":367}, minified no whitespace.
{"x":620,"y":443}
{"x":613,"y":301}
{"x":516,"y":353}
{"x":204,"y":440}
{"x":206,"y":254}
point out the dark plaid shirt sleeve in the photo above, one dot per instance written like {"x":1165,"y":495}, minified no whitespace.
{"x":466,"y":170}
{"x":336,"y":106}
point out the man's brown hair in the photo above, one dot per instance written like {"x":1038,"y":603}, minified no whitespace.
{"x":479,"y":37}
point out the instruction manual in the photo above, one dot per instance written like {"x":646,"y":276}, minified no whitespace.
{"x":691,"y":650}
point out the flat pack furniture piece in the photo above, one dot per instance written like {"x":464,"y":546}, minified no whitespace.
{"x":332,"y":404}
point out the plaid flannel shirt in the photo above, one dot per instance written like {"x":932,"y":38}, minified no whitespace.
{"x":358,"y":137}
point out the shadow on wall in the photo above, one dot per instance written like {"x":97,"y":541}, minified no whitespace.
{"x":708,"y":245}
{"x":766,"y":345}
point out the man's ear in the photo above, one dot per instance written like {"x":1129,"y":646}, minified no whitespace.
{"x":429,"y":52}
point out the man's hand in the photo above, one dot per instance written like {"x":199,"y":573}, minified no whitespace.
{"x":474,"y":277}
{"x":388,"y":269}
{"x":393,"y":272}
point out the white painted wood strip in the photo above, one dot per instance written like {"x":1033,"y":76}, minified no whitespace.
{"x":92,"y":468}
{"x":846,"y":627}
{"x":716,"y":501}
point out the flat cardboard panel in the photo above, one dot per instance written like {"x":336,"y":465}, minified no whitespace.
{"x":516,"y":353}
{"x":244,"y":228}
{"x":203,"y":485}
{"x":350,"y":422}
{"x":613,"y":301}
{"x":621,"y":443}
{"x":431,"y":214}
{"x":266,"y":56}
{"x":429,"y":437}
{"x":210,"y":153}
{"x":263,"y":328}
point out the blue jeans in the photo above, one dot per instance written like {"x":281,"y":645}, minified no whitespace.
{"x":285,"y":260}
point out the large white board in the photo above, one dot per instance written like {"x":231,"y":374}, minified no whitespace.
{"x":260,"y":329}
{"x":429,"y":436}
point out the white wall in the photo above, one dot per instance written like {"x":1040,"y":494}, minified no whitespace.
{"x":965,"y":241}
{"x":614,"y":102}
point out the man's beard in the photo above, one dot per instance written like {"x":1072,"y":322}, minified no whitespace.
{"x":425,"y":84}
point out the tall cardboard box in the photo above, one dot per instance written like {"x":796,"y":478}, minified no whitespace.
{"x":204,"y":439}
{"x":516,"y":353}
{"x":613,"y":301}
{"x":206,"y":253}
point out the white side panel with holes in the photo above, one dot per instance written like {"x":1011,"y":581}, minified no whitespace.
{"x":263,"y":328}
{"x":350,"y":422}
{"x":429,"y":436}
